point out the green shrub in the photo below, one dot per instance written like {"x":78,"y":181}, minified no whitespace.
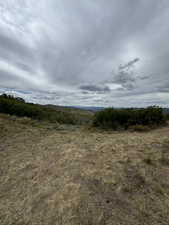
{"x":18,"y":107}
{"x":125,"y":118}
{"x":167,"y":116}
{"x":139,"y":128}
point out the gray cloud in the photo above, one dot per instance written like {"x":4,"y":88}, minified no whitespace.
{"x":126,"y":76}
{"x":10,"y":47}
{"x":129,"y":64}
{"x":95,"y":88}
{"x":64,"y":51}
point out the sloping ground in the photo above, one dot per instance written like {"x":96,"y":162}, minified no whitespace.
{"x":63,"y":115}
{"x":81,"y":116}
{"x":65,"y":176}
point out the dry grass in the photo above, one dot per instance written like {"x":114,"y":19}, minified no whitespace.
{"x":51,"y":175}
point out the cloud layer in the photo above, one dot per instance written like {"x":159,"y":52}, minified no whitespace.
{"x":112,"y":53}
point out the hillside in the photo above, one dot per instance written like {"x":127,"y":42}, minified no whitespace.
{"x":81,"y":115}
{"x":63,"y":115}
{"x":55,"y":174}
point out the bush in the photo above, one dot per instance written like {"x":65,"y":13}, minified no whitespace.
{"x":167,"y":116}
{"x":125,"y":118}
{"x":18,"y":107}
{"x":139,"y":128}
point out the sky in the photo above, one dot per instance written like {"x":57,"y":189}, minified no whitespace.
{"x":85,"y":52}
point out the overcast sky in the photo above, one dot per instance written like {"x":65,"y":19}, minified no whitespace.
{"x":85,"y":52}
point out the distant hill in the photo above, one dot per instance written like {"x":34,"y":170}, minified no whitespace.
{"x":17,"y":106}
{"x":89,"y":108}
{"x":95,"y":109}
{"x":166,"y":110}
{"x":77,"y":108}
{"x":81,"y":114}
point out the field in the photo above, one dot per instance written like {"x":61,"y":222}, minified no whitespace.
{"x":53,"y":174}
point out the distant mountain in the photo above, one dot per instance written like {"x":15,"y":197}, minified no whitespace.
{"x":92,"y":108}
{"x":95,"y":109}
{"x":89,"y":108}
{"x":166,"y":110}
{"x":86,"y":108}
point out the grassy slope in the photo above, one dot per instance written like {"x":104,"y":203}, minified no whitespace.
{"x":50,"y":113}
{"x":81,"y":116}
{"x":52,"y":175}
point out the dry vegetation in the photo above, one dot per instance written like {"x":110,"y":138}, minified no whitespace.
{"x":69,"y":175}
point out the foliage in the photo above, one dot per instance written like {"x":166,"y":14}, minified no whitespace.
{"x":125,"y":118}
{"x":167,"y":116}
{"x":140,"y":128}
{"x":18,"y":107}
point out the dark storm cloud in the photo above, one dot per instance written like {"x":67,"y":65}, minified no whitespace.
{"x":65,"y":51}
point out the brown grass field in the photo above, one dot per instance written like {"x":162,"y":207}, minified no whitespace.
{"x":68,"y":175}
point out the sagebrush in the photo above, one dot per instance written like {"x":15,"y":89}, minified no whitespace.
{"x":17,"y":106}
{"x":125,"y":118}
